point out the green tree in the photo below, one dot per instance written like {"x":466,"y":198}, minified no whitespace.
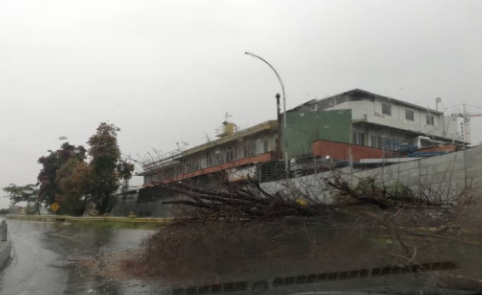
{"x":106,"y":168}
{"x":50,"y":177}
{"x":72,"y":181}
{"x":26,"y":193}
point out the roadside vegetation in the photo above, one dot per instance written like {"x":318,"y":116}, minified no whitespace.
{"x":75,"y":177}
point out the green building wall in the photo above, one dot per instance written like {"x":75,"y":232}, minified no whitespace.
{"x":304,"y":127}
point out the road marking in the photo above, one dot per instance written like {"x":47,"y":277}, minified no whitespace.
{"x":62,"y":236}
{"x":22,"y":240}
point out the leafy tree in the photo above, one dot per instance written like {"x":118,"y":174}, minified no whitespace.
{"x":49,"y":178}
{"x":106,"y":168}
{"x":66,"y":177}
{"x":72,"y":180}
{"x":26,"y":193}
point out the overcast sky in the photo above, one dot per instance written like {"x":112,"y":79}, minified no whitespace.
{"x":167,"y":71}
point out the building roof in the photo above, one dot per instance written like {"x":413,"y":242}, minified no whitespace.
{"x":356,"y":91}
{"x":173,"y":159}
{"x":268,"y":125}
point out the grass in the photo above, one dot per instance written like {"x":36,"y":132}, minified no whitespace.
{"x":101,"y":221}
{"x":117,"y":224}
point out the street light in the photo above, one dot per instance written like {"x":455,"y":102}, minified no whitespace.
{"x":284,"y":112}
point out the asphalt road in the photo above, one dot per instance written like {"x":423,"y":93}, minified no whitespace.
{"x":42,"y":259}
{"x":44,"y":254}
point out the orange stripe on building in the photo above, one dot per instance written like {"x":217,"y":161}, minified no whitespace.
{"x":266,"y":157}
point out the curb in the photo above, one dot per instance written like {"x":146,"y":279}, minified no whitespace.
{"x":101,"y":220}
{"x":5,"y":249}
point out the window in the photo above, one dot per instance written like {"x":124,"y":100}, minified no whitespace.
{"x":210,"y":160}
{"x":430,"y":120}
{"x":386,"y":109}
{"x":265,"y":146}
{"x":193,"y":165}
{"x":380,"y":142}
{"x":409,"y":115}
{"x":314,"y":107}
{"x":229,"y":155}
{"x":373,"y":141}
{"x":376,"y":141}
{"x":359,"y":138}
{"x":190,"y":166}
{"x":252,"y":150}
{"x":219,"y":159}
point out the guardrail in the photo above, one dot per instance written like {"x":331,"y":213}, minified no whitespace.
{"x":90,"y":219}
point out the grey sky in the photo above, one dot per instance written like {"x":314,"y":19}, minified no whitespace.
{"x":167,"y":71}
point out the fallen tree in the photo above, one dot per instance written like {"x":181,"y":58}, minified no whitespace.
{"x":241,"y":229}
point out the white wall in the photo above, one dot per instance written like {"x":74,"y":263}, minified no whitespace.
{"x":446,"y":175}
{"x":371,"y":111}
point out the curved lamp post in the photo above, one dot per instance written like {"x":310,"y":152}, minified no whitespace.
{"x":285,"y":126}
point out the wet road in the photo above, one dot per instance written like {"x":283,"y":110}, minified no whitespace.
{"x":42,"y":264}
{"x":42,"y":259}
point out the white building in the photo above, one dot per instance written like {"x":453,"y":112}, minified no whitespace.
{"x":380,"y":120}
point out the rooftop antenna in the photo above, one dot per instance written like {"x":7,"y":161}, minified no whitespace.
{"x":227,"y":115}
{"x":437,"y":101}
{"x":208,"y":139}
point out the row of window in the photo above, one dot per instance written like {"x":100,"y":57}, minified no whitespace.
{"x":409,"y":114}
{"x":226,"y":155}
{"x":376,"y":141}
{"x":359,"y":138}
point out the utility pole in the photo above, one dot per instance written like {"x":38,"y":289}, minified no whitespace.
{"x":278,"y":117}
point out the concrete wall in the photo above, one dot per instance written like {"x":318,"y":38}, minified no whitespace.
{"x":124,"y":207}
{"x":146,"y":202}
{"x":153,"y":208}
{"x":444,"y":176}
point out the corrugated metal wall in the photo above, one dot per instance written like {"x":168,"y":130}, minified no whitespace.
{"x":144,"y":203}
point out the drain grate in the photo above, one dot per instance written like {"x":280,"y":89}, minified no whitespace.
{"x":316,"y":278}
{"x":363,"y":273}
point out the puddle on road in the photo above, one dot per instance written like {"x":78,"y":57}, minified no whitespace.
{"x":46,"y":259}
{"x":94,"y":244}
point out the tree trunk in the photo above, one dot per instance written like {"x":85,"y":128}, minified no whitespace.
{"x":103,"y":205}
{"x":37,"y":207}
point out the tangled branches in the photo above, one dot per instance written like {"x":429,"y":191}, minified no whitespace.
{"x":242,"y":203}
{"x":218,"y":230}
